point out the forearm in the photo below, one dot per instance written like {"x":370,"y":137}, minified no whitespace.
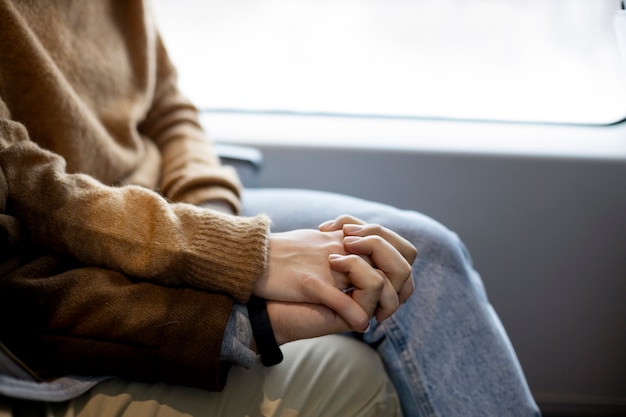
{"x":130,"y":229}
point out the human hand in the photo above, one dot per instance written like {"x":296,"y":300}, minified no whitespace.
{"x":387,"y":251}
{"x":298,"y":271}
{"x":293,"y":321}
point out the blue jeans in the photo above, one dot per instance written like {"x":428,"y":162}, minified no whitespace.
{"x":445,"y":350}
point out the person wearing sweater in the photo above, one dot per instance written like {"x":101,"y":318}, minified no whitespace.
{"x":134,"y":265}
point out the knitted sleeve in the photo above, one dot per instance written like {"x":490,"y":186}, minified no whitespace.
{"x":61,"y":317}
{"x":91,"y":321}
{"x":105,"y":278}
{"x":128,"y":229}
{"x":59,"y":180}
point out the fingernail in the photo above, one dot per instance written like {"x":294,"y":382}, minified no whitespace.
{"x":326,"y":224}
{"x":352,"y":228}
{"x":350,"y":239}
{"x":367,"y":329}
{"x":334,"y":256}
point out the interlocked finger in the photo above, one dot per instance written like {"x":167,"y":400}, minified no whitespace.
{"x":384,"y":256}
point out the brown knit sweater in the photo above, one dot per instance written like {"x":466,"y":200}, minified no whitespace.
{"x":106,"y":265}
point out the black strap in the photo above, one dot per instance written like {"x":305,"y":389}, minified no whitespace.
{"x":263,"y":333}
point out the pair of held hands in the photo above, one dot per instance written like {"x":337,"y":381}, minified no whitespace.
{"x":307,"y":269}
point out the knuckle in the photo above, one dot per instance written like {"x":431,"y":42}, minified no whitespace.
{"x":383,"y":313}
{"x":373,"y":229}
{"x":378,"y":283}
{"x":311,"y":283}
{"x":336,"y":248}
{"x":410,"y":284}
{"x":412,"y":254}
{"x":361,"y":322}
{"x":395,"y":304}
{"x":374,"y":240}
{"x":353,"y":258}
{"x":378,"y":238}
{"x":345,"y":219}
{"x":392,"y":306}
{"x":333,"y":241}
{"x":406,"y":270}
{"x":410,"y":291}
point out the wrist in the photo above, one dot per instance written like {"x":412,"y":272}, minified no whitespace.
{"x":279,"y":334}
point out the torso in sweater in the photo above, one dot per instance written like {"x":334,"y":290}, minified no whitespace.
{"x":79,"y":84}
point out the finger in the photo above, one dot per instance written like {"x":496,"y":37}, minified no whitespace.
{"x":368,"y":282}
{"x":407,"y":290}
{"x":384,"y":255}
{"x":406,"y":248}
{"x":388,"y":303}
{"x":295,"y":321}
{"x":356,"y":227}
{"x":339,"y":222}
{"x":343,"y":304}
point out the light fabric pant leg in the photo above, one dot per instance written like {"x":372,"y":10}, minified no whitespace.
{"x":445,"y":350}
{"x":322,"y":377}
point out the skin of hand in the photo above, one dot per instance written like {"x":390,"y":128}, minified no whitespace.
{"x":326,"y":310}
{"x":298,"y":271}
{"x":313,"y":319}
{"x":367,"y":240}
{"x":294,"y":321}
{"x":372,"y":259}
{"x":376,"y":252}
{"x":305,"y":255}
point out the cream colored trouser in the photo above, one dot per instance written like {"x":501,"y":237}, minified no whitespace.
{"x":329,"y":376}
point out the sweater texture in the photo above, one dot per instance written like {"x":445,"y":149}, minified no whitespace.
{"x":107,"y":265}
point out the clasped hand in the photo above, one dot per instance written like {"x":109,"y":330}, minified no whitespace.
{"x":308,"y":268}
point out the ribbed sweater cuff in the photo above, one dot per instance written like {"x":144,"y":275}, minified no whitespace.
{"x":228,"y":255}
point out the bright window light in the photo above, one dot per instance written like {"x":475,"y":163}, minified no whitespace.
{"x":514,"y":60}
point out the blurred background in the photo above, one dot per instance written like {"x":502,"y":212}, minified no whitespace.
{"x":522,"y":60}
{"x":503,"y":119}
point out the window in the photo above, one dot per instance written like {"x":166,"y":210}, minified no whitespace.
{"x":513,"y":60}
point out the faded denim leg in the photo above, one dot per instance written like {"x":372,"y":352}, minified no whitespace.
{"x":445,"y":351}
